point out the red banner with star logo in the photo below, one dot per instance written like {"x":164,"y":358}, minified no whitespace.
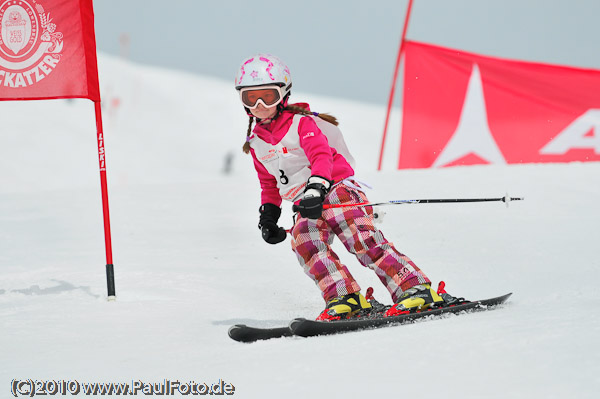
{"x":47,"y":50}
{"x":462,"y":109}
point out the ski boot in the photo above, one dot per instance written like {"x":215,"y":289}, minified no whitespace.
{"x":414,"y":299}
{"x":344,"y":307}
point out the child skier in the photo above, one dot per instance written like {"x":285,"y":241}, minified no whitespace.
{"x":300,"y":157}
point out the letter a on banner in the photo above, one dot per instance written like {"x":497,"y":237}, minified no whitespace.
{"x":583,"y":133}
{"x":48,"y":51}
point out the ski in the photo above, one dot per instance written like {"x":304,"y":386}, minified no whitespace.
{"x":309,"y":328}
{"x":244,"y":333}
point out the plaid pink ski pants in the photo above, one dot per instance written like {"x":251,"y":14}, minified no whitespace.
{"x":312,"y":239}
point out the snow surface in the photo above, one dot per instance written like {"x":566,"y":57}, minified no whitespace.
{"x":190,"y":262}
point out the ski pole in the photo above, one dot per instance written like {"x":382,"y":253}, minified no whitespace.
{"x":506,"y":199}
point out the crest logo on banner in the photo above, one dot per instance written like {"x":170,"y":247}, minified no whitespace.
{"x":30,"y":45}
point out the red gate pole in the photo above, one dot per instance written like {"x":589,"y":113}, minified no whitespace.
{"x":393,"y":89}
{"x":110,"y":271}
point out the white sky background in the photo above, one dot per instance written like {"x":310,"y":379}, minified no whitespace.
{"x":344,"y":48}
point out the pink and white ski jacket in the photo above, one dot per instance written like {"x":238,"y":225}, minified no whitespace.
{"x":288,"y":150}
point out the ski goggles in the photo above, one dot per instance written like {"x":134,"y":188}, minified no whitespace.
{"x":268,"y":96}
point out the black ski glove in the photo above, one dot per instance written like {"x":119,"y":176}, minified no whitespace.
{"x":269,"y":215}
{"x":311,"y":204}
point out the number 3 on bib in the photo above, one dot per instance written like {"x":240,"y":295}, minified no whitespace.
{"x":283,"y":178}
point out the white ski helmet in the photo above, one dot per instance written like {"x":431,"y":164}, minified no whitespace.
{"x":263,"y":69}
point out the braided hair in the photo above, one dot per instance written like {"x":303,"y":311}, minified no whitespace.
{"x":292,"y":108}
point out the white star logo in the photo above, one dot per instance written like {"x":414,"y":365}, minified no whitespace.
{"x":473,"y":135}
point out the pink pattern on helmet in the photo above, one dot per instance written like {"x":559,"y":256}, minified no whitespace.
{"x":243,"y":70}
{"x":269,"y":66}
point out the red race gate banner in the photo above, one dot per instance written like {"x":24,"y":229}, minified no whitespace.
{"x":462,"y":109}
{"x":47,"y":50}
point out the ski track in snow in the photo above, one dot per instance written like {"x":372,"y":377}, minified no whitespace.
{"x":190,"y":262}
